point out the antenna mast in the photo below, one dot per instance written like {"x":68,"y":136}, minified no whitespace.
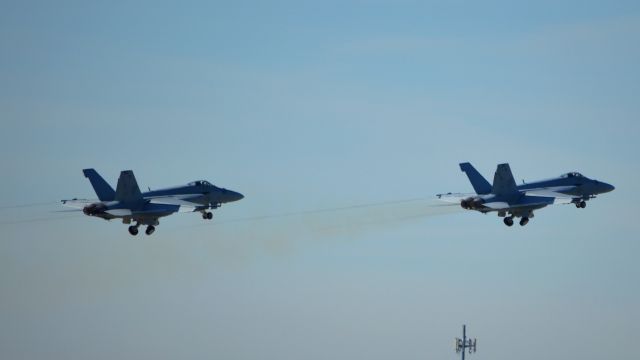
{"x":464,"y":343}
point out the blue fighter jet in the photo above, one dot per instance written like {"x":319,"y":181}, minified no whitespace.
{"x":131,"y":205}
{"x":510,"y":200}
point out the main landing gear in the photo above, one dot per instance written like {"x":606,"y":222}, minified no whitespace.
{"x":581,"y":205}
{"x":509,"y":221}
{"x":133,"y":229}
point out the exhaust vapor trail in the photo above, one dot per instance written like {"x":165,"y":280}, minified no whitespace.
{"x":342,"y":219}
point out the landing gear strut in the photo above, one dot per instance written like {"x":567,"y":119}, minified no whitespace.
{"x":508,"y":221}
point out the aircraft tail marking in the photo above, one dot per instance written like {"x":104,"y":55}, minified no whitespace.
{"x":127,"y":189}
{"x":479,"y":183}
{"x":100,"y":186}
{"x":503,"y":182}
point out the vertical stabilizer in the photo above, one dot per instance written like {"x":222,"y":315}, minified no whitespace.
{"x":479,"y":183}
{"x":102,"y":188}
{"x":127,"y":189}
{"x":503,"y":181}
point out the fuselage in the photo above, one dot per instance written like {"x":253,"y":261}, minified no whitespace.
{"x":538,"y":194}
{"x":510,"y":200}
{"x":128,"y":203}
{"x":199,"y":192}
{"x":203,"y":193}
{"x":576,"y":183}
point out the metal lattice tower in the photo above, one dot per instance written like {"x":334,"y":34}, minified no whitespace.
{"x":464,"y":343}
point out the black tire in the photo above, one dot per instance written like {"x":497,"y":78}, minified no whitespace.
{"x":508,"y":221}
{"x":150,"y":229}
{"x":583,"y":204}
{"x":209,"y":216}
{"x":133,"y":230}
{"x":524,"y":221}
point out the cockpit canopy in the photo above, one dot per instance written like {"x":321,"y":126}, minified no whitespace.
{"x":571,"y":174}
{"x":199,"y":183}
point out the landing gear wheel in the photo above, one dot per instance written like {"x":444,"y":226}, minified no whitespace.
{"x":150,"y":230}
{"x":524,"y":221}
{"x":508,"y":221}
{"x":133,"y":230}
{"x":583,"y":204}
{"x":209,"y":215}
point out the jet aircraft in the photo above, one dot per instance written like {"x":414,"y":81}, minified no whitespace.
{"x":510,"y":200}
{"x":131,"y":205}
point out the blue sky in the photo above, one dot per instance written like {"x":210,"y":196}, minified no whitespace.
{"x":302,"y":106}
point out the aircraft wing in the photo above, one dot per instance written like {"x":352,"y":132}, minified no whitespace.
{"x":78,"y":203}
{"x":453,"y":197}
{"x":161,"y":211}
{"x":500,"y":205}
{"x":185,"y":205}
{"x":554,"y":192}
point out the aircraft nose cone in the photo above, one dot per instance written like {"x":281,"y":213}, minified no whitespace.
{"x":603,"y":187}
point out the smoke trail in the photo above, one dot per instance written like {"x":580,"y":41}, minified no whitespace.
{"x":318,"y":211}
{"x":354,"y":221}
{"x":331,"y":221}
{"x":20,"y":206}
{"x":313,"y":222}
{"x":40,"y":219}
{"x":25,"y":214}
{"x":236,"y":241}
